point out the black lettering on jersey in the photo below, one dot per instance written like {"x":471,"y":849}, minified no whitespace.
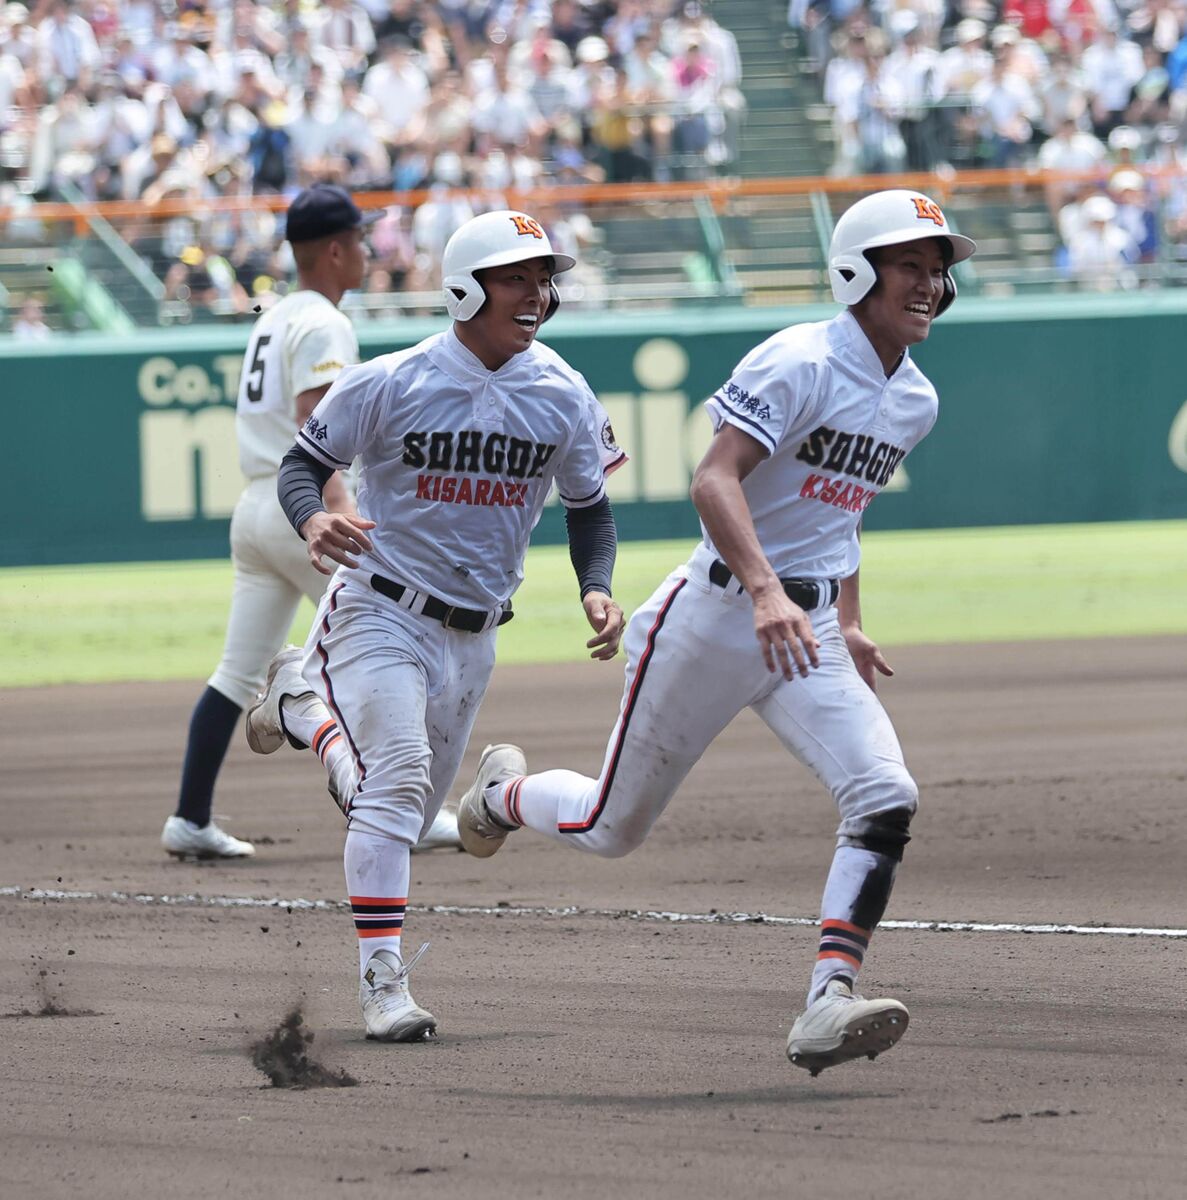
{"x":877,"y":462}
{"x":494,"y":453}
{"x":540,"y":459}
{"x":862,"y":448}
{"x":469,"y":443}
{"x":893,"y":459}
{"x":414,"y":449}
{"x":812,"y":451}
{"x":839,"y":452}
{"x":440,"y":451}
{"x":519,"y":457}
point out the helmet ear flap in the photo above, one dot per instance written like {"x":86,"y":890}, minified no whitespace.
{"x":949,"y":292}
{"x":463,"y":296}
{"x":852,"y":276}
{"x":554,"y":302}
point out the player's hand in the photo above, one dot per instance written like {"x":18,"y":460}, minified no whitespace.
{"x":335,"y":536}
{"x":605,"y":619}
{"x":785,"y":633}
{"x":867,"y":658}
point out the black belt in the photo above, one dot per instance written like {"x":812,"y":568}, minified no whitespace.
{"x":468,"y":620}
{"x":807,"y":593}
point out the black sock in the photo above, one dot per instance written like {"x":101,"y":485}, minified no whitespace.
{"x":211,"y":727}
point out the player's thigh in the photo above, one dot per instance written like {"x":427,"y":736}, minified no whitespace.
{"x":263,"y":606}
{"x":834,"y":723}
{"x":463,"y":673}
{"x":687,"y":677}
{"x":374,"y":680}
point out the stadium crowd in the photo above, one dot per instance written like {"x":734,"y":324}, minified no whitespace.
{"x":190,"y":99}
{"x":1070,"y":85}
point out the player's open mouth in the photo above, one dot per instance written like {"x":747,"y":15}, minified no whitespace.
{"x":527,"y":321}
{"x":919,"y":309}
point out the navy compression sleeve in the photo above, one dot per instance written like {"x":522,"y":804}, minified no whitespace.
{"x":593,"y":545}
{"x":299,"y":486}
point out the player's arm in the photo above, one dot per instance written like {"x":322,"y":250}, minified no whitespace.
{"x":300,"y":488}
{"x":783,"y":629}
{"x":337,"y":498}
{"x":593,"y":547}
{"x":865,"y":654}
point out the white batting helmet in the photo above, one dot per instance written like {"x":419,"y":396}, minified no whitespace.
{"x":493,"y":240}
{"x":888,"y":219}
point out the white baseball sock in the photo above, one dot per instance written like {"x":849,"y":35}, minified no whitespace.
{"x":377,"y":874}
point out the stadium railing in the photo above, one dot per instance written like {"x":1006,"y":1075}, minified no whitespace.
{"x":717,"y":241}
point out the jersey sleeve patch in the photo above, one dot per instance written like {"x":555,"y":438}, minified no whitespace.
{"x":311,"y":436}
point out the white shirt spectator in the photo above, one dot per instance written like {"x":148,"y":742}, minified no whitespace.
{"x":916,"y":70}
{"x":963,"y":67}
{"x":1100,"y":253}
{"x":436,"y":220}
{"x":1111,"y":67}
{"x":1008,"y":103}
{"x":1072,"y":150}
{"x":399,"y":88}
{"x":345,"y":28}
{"x":12,"y":81}
{"x":66,"y":46}
{"x":178,"y":61}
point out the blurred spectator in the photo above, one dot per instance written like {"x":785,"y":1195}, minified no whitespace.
{"x":1135,"y":213}
{"x":1006,"y":106}
{"x":400,"y":90}
{"x":345,"y":29}
{"x":66,"y":47}
{"x":1071,"y":149}
{"x":1112,"y":66}
{"x":1062,"y":96}
{"x":915,"y":68}
{"x":30,"y":325}
{"x":1100,"y":252}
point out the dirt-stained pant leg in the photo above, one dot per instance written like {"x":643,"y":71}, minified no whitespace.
{"x":682,"y":688}
{"x":405,"y":692}
{"x":834,"y":724}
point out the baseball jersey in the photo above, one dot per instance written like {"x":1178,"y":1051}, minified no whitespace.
{"x":456,"y":461}
{"x":835,"y":429}
{"x":302,"y":343}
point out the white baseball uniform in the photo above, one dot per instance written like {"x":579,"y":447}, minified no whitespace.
{"x":835,"y":427}
{"x":455,"y":464}
{"x":302,"y":343}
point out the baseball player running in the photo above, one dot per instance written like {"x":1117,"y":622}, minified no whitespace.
{"x":459,"y":442}
{"x":766,"y":614}
{"x":295,"y":351}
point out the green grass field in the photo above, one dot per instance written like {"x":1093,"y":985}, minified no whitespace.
{"x":165,"y":620}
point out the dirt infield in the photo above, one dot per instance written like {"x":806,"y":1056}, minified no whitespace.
{"x":604,"y":1051}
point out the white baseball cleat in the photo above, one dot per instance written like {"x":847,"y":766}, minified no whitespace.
{"x":841,"y":1025}
{"x":265,"y":727}
{"x":480,"y":833}
{"x":442,"y":834}
{"x":389,"y":1012}
{"x":184,"y":839}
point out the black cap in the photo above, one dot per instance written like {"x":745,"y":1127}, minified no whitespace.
{"x":324,"y":209}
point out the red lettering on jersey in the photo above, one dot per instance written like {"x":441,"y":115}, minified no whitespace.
{"x":828,"y":493}
{"x":521,"y":494}
{"x":497,"y":494}
{"x":808,"y":491}
{"x":929,"y":210}
{"x":448,"y":488}
{"x":465,"y":494}
{"x":842,"y":501}
{"x":855,"y":505}
{"x":424,"y":484}
{"x":527,"y":227}
{"x":482,"y":492}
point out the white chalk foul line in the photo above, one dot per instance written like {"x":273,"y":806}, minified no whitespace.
{"x":195,"y":900}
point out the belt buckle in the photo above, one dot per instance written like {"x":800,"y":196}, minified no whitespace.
{"x":447,"y":619}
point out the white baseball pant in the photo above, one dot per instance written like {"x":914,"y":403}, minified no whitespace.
{"x":272,"y":573}
{"x":693,"y":663}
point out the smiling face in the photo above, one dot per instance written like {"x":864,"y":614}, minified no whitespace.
{"x":517,"y":297}
{"x":899,"y":309}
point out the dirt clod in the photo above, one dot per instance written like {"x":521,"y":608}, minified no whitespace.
{"x":283,"y":1055}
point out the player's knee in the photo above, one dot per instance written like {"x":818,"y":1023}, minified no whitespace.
{"x":611,"y":842}
{"x":886,"y":827}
